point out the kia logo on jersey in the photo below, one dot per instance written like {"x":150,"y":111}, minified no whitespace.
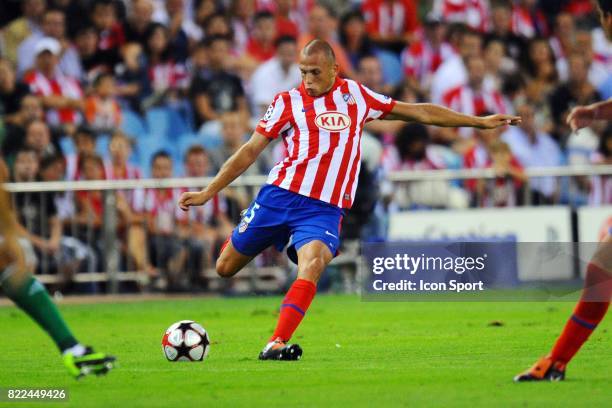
{"x":333,"y":121}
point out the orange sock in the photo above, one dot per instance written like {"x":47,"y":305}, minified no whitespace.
{"x":294,"y":307}
{"x":589,"y":311}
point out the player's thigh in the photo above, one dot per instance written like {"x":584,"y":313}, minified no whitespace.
{"x":313,"y":257}
{"x":231,"y":261}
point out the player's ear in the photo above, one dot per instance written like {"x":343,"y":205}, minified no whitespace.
{"x":336,"y":68}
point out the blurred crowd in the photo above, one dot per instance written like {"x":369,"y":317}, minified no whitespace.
{"x":120,"y":89}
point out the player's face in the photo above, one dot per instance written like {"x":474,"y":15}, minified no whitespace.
{"x":318,"y":73}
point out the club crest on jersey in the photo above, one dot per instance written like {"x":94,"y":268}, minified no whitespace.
{"x":333,"y":121}
{"x":348,"y":98}
{"x":268,"y":113}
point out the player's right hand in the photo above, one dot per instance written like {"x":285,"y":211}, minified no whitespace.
{"x":190,"y":199}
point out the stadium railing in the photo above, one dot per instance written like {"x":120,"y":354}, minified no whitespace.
{"x":111,"y":252}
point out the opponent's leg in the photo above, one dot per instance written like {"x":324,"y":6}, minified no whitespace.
{"x":32,"y":297}
{"x":589,"y":311}
{"x":312,"y":260}
{"x":230,"y":261}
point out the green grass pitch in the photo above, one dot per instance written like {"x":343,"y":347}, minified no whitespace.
{"x":355,"y":354}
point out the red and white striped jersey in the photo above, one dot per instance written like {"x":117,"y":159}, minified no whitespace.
{"x":527,"y":24}
{"x":135,"y":198}
{"x":393,"y":18}
{"x":323,"y":139}
{"x":474,"y":13}
{"x":59,"y":85}
{"x":420,"y":60}
{"x":161,"y":205}
{"x":463,"y":99}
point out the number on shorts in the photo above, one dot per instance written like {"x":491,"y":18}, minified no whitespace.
{"x":248,"y":217}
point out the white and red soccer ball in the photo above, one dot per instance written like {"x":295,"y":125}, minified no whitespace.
{"x":185,"y":341}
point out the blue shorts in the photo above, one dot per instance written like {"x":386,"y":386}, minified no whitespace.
{"x":285,"y":219}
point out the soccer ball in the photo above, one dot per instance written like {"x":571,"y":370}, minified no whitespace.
{"x":185,"y":341}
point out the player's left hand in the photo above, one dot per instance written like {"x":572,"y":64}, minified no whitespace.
{"x":495,"y":121}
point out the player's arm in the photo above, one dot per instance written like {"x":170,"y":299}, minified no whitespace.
{"x":583,"y":116}
{"x":436,"y":115}
{"x":237,"y":164}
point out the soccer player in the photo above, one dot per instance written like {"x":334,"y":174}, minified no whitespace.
{"x":302,"y":204}
{"x":595,"y":298}
{"x":31,"y":296}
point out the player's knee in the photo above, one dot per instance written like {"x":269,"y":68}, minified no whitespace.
{"x":313,"y":269}
{"x":224,"y":268}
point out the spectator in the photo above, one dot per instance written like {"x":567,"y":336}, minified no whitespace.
{"x":89,"y":217}
{"x":181,"y":30}
{"x":501,"y":20}
{"x":562,"y":42}
{"x":527,"y":20}
{"x":422,"y":58}
{"x":473,"y":98}
{"x":601,"y":186}
{"x":370,"y":74}
{"x":93,"y":61}
{"x":505,"y":189}
{"x":61,"y":95}
{"x":39,"y":223}
{"x":598,"y":71}
{"x":411,"y":151}
{"x":215,"y":90}
{"x":118,"y":168}
{"x":576,"y":91}
{"x":474,"y":13}
{"x":354,"y":37}
{"x":38,"y":138}
{"x":209,"y":224}
{"x":453,"y":72}
{"x":110,"y":32}
{"x":131,"y":76}
{"x":21,"y":28}
{"x":168,"y":228}
{"x":486,"y":152}
{"x":321,"y":24}
{"x":391,"y":23}
{"x":279,"y":74}
{"x":286,"y":19}
{"x":139,"y":21}
{"x":53,"y":26}
{"x":102,"y":111}
{"x":242,"y":12}
{"x":30,"y":109}
{"x":234,"y":130}
{"x":85,"y":144}
{"x":542,"y":77}
{"x":217,"y":24}
{"x":260,"y":46}
{"x":11,"y":93}
{"x":496,"y":65}
{"x":168,"y":78}
{"x":534,"y":148}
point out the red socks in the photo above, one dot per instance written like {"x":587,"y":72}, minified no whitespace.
{"x":294,"y":308}
{"x":589,"y":311}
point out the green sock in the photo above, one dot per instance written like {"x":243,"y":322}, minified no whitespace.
{"x":31,"y":296}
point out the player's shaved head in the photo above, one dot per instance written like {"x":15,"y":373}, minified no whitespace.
{"x":317,"y":46}
{"x":318,"y":67}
